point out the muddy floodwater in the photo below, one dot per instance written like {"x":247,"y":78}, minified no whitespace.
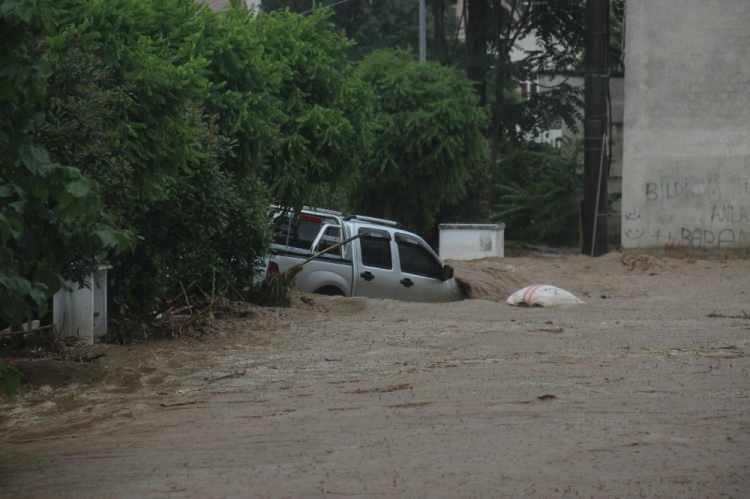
{"x":642,"y":391}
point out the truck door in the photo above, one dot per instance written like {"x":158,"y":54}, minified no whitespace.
{"x":421,"y":275}
{"x":374,"y":273}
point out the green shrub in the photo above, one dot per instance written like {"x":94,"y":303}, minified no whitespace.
{"x":192,"y":122}
{"x":428,"y":138}
{"x":536,"y":192}
{"x":51,"y":223}
{"x":10,"y":378}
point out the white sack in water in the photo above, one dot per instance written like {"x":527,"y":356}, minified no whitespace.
{"x":542,"y":295}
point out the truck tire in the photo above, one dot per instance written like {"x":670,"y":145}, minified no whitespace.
{"x":329,"y":291}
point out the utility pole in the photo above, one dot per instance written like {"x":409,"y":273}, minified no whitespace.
{"x":422,"y":31}
{"x":596,"y":129}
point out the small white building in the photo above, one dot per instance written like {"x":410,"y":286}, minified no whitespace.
{"x":81,"y":311}
{"x":471,"y":241}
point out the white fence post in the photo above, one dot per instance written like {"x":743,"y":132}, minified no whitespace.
{"x":81,"y":311}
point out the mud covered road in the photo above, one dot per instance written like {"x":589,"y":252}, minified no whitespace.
{"x":644,"y":391}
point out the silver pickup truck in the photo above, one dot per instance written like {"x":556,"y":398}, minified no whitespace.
{"x":382,"y":261}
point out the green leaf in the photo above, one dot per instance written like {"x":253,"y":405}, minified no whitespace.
{"x":38,"y":294}
{"x":35,"y":158}
{"x":10,"y":378}
{"x":115,"y":239}
{"x":79,"y":188}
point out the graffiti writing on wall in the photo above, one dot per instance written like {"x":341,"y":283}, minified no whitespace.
{"x":699,"y":237}
{"x":697,"y":211}
{"x":684,"y":188}
{"x":731,"y":214}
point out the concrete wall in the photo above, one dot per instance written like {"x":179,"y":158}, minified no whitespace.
{"x":686,"y":161}
{"x":617,"y":99}
{"x":82,"y":310}
{"x":471,"y":241}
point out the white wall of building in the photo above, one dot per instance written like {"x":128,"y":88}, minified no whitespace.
{"x":471,"y":241}
{"x":686,"y":164}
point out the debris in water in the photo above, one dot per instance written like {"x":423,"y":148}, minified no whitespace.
{"x":542,"y":295}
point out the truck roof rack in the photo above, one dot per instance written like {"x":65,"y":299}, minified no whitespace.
{"x":312,"y":208}
{"x":323,"y":210}
{"x":380,"y":221}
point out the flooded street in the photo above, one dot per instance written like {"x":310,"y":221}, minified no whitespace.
{"x":644,"y":390}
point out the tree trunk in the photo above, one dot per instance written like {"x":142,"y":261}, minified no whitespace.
{"x":596,"y":159}
{"x":502,"y":66}
{"x":476,"y":45}
{"x":438,"y":19}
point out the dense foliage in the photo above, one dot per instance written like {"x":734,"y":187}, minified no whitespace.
{"x":502,"y":45}
{"x":428,"y":138}
{"x":177,"y":126}
{"x":51,"y":224}
{"x":372,"y":25}
{"x":195,"y":121}
{"x":10,"y":379}
{"x":130,"y":106}
{"x":536,"y":192}
{"x":153,"y":135}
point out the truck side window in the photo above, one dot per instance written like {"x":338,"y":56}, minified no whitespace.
{"x":416,"y":259}
{"x":298,"y":232}
{"x":331,"y":237}
{"x":376,"y":248}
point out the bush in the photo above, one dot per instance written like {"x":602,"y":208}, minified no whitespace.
{"x":537,"y":196}
{"x":51,"y":224}
{"x":154,"y":134}
{"x":289,"y":100}
{"x":192,"y":122}
{"x":428,"y":138}
{"x":10,"y":378}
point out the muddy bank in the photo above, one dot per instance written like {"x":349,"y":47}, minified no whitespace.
{"x":488,"y":279}
{"x":640,"y":392}
{"x":495,"y":279}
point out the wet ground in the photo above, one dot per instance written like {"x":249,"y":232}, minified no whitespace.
{"x":643,"y":391}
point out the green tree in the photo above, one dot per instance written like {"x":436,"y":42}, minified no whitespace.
{"x":51,"y":224}
{"x":374,"y":25}
{"x":192,"y":122}
{"x":289,"y":100}
{"x":553,"y":33}
{"x":537,"y":190}
{"x":428,"y":138}
{"x":128,"y":84}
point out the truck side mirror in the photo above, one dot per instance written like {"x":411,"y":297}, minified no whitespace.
{"x":447,"y":273}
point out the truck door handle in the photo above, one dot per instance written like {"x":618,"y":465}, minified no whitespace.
{"x":367,"y":275}
{"x":407,"y":282}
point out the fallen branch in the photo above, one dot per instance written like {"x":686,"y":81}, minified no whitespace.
{"x":326,"y":250}
{"x":184,"y":293}
{"x":180,"y":404}
{"x":227,"y":376}
{"x":92,"y":357}
{"x":8,"y":332}
{"x":715,"y":315}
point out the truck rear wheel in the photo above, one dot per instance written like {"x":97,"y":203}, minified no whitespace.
{"x":329,"y":291}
